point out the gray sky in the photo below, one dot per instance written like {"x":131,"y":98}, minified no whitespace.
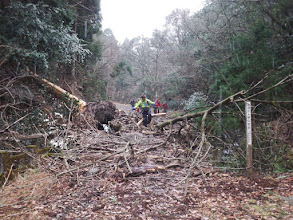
{"x":133,"y":18}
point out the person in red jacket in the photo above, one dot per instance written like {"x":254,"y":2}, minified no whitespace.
{"x":157,"y":106}
{"x":165,"y":107}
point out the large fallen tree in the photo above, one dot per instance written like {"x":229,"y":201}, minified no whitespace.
{"x":241,"y":98}
{"x":201,"y":113}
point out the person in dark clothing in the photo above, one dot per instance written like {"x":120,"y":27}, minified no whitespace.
{"x":132,"y":103}
{"x":144,"y":105}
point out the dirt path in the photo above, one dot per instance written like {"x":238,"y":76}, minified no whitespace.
{"x":145,"y":181}
{"x":124,"y":107}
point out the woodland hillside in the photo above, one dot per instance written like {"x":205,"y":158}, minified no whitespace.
{"x":71,"y":147}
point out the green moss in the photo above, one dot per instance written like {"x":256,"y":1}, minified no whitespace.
{"x":8,"y":159}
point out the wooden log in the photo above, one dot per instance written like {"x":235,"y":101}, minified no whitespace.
{"x":15,"y":135}
{"x":58,"y":91}
{"x":152,"y":127}
{"x":138,"y":123}
{"x":147,"y":168}
{"x":159,"y":114}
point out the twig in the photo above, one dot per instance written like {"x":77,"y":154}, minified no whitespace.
{"x":186,"y":187}
{"x":6,"y":179}
{"x":286,"y":80}
{"x":202,"y":142}
{"x":18,"y":120}
{"x":126,"y":161}
{"x":206,"y":153}
{"x":66,"y":133}
{"x":187,"y":179}
{"x":274,"y":103}
{"x":33,"y":190}
{"x":259,"y":82}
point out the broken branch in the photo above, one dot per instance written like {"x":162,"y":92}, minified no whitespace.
{"x":201,"y":113}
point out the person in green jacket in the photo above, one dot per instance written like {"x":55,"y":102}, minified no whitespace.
{"x":144,"y":104}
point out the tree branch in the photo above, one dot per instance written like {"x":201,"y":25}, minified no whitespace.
{"x":201,"y":113}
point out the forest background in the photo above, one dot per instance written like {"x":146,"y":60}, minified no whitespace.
{"x":195,"y":61}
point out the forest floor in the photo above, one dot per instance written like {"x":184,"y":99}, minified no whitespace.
{"x":136,"y":174}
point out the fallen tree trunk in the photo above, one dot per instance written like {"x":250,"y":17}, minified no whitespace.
{"x":147,"y":168}
{"x":58,"y":91}
{"x":138,"y":123}
{"x":159,"y":114}
{"x":287,"y":80}
{"x":14,"y":135}
{"x":201,"y":113}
